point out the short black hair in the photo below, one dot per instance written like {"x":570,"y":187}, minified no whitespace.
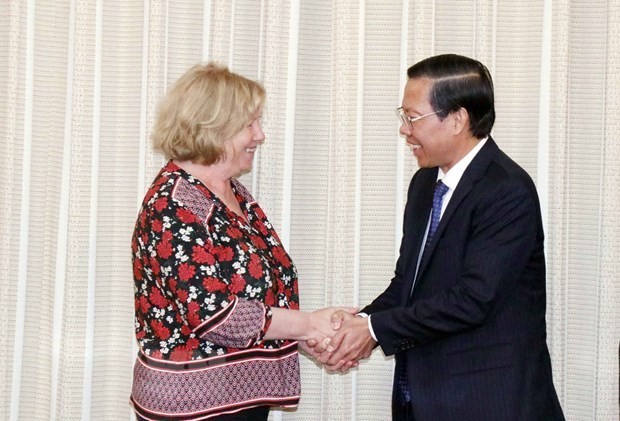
{"x":459,"y":82}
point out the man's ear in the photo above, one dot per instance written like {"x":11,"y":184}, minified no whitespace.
{"x":461,"y":120}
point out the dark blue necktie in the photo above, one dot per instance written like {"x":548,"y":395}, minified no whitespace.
{"x":440,"y":190}
{"x":401,"y":365}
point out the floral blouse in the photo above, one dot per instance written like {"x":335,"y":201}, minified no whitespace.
{"x":205,"y":282}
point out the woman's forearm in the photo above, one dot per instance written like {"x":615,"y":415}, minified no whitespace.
{"x":289,"y":324}
{"x":302,"y":326}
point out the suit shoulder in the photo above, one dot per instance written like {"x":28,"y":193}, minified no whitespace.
{"x":423,"y":176}
{"x":503,"y":169}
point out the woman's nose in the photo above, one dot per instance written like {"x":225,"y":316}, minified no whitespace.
{"x":259,"y":135}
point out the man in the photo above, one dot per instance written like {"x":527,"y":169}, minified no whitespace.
{"x":464,"y":314}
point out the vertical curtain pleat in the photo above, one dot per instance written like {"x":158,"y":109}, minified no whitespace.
{"x":377,"y":182}
{"x":608,"y":343}
{"x":23,"y":169}
{"x":556,"y":233}
{"x":517,"y":80}
{"x":11,"y":139}
{"x":121,"y":85}
{"x":46,"y":168}
{"x":580,"y":209}
{"x":80,"y":82}
{"x":69,"y":399}
{"x":343,"y":140}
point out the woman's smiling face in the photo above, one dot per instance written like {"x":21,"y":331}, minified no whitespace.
{"x":240,"y":149}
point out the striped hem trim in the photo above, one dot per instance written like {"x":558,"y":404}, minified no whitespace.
{"x":291,"y":401}
{"x":245,"y":355}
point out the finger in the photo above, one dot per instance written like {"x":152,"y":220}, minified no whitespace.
{"x":311,"y":343}
{"x":335,"y":342}
{"x":329,"y":369}
{"x":324,"y":357}
{"x":322,"y":346}
{"x":339,"y":366}
{"x":340,"y":357}
{"x":351,"y":364}
{"x":344,"y":368}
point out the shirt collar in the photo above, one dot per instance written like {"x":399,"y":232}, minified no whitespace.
{"x":453,"y":176}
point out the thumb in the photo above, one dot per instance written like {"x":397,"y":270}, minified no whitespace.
{"x":336,"y":319}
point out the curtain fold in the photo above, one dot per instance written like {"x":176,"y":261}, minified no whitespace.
{"x":80,"y":82}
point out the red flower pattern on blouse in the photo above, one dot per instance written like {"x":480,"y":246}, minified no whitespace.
{"x":255,"y":266}
{"x":224,"y":254}
{"x":282,"y":257}
{"x":214,"y":284}
{"x":192,"y":315}
{"x":161,"y":331}
{"x":161,"y":204}
{"x":200,"y":255}
{"x":186,"y":271}
{"x":191,"y":261}
{"x":234,"y":232}
{"x":237,"y":284}
{"x":185,"y":215}
{"x":157,"y":298}
{"x":164,"y":250}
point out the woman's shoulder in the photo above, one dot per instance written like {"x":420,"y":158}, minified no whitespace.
{"x":163,"y":182}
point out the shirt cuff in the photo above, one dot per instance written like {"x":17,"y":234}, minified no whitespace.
{"x":372,"y":332}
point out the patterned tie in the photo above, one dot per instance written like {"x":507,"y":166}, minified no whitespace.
{"x":440,"y":190}
{"x":401,"y":364}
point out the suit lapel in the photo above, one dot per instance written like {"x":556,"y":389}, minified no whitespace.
{"x":474,"y":172}
{"x":421,"y":199}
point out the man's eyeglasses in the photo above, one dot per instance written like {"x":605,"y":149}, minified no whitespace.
{"x":408,"y":121}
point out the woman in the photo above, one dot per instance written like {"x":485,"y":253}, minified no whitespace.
{"x":216,"y":294}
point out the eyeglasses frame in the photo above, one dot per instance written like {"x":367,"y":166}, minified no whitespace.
{"x":405,"y":119}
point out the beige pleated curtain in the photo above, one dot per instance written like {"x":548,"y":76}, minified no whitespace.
{"x":79,"y":84}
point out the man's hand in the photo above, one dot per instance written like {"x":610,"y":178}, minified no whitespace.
{"x":351,"y":343}
{"x":336,"y":319}
{"x":321,"y":327}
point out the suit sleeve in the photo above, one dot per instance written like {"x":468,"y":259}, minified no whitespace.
{"x":392,"y":295}
{"x":502,"y":234}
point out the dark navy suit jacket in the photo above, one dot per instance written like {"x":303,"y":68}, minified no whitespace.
{"x":473,"y":329}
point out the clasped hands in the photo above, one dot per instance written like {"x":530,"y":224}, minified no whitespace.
{"x":338,"y":338}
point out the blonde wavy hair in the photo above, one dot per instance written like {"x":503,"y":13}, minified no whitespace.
{"x":204,"y":108}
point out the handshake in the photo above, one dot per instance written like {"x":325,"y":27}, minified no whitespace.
{"x":336,"y":338}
